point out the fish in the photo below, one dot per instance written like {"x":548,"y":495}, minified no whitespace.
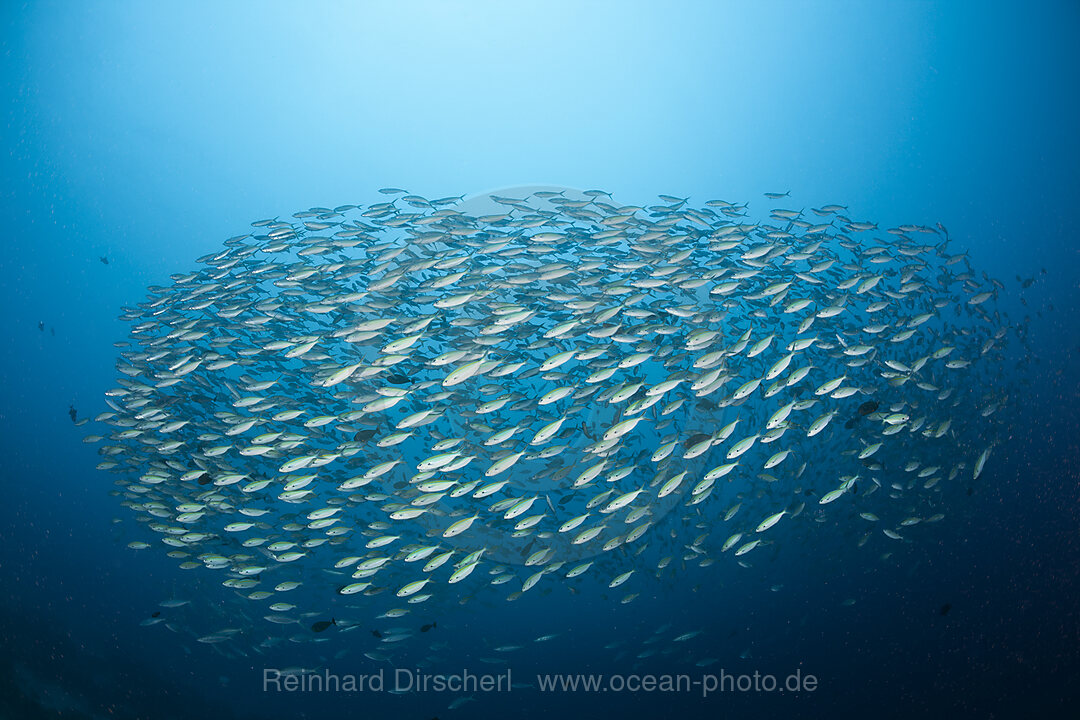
{"x":770,"y":521}
{"x":867,"y":407}
{"x":436,"y":401}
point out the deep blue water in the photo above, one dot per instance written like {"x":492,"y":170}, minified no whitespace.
{"x":151,"y":132}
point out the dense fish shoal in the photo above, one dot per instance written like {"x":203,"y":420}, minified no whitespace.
{"x":368,"y":413}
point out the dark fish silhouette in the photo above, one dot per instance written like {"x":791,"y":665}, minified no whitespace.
{"x":945,"y":609}
{"x":585,"y":431}
{"x":377,"y":634}
{"x":41,"y":325}
{"x":398,"y":379}
{"x":72,"y":413}
{"x":323,"y":624}
{"x":364,"y":435}
{"x":867,"y":407}
{"x":427,"y":627}
{"x":104,"y":259}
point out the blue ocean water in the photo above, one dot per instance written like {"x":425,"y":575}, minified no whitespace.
{"x":147,"y":134}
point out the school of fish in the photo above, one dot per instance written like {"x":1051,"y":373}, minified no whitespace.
{"x":403,"y":405}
